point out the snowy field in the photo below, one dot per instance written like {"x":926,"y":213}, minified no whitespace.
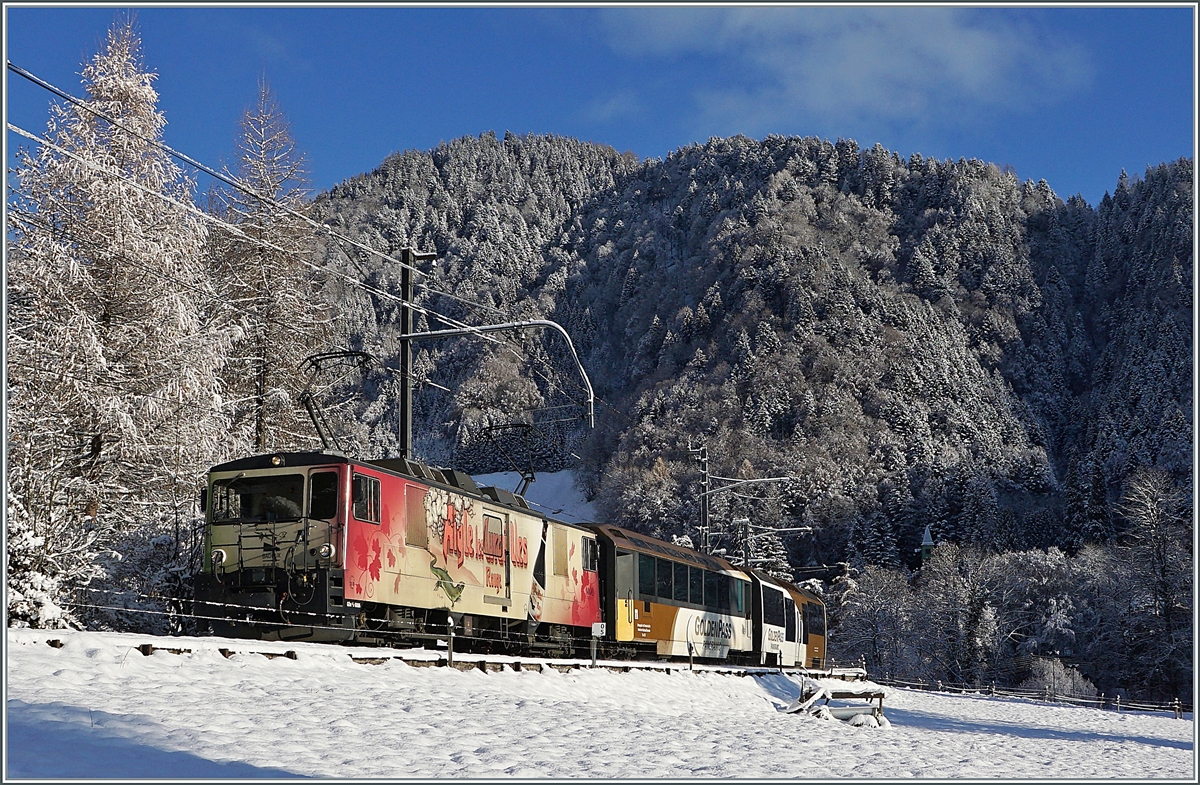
{"x":97,"y":707}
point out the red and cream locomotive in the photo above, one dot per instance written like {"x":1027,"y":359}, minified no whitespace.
{"x":318,"y":546}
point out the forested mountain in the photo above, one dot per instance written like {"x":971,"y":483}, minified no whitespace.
{"x":916,"y":341}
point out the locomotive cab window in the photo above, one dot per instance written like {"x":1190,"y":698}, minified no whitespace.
{"x":270,"y":497}
{"x":323,"y":495}
{"x":366,"y":498}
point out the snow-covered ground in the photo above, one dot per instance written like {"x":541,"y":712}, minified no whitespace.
{"x":552,"y":494}
{"x":97,"y":707}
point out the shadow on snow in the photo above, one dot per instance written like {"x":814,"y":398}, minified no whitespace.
{"x":60,"y":742}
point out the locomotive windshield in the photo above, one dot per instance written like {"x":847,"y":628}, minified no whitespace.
{"x":276,"y":497}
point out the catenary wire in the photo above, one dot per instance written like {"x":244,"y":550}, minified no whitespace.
{"x":233,"y":182}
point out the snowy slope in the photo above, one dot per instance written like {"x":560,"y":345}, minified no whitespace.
{"x":552,"y":494}
{"x":98,"y":708}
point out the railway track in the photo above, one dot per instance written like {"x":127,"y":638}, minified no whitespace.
{"x":462,"y":661}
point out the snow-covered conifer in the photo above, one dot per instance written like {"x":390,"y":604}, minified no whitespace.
{"x":267,"y":285}
{"x":113,"y":394}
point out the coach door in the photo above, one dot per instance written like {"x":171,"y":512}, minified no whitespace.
{"x":497,"y":574}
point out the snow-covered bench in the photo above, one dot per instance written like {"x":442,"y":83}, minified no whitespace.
{"x":812,"y":691}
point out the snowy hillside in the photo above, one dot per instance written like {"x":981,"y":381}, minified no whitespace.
{"x":97,"y":707}
{"x":553,"y":493}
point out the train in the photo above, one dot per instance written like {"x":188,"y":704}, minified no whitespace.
{"x":318,"y":546}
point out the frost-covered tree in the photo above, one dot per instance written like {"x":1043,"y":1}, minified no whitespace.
{"x":267,"y":285}
{"x":1051,"y":676}
{"x":113,"y":398}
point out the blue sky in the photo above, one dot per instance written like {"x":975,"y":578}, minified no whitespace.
{"x":1071,"y":95}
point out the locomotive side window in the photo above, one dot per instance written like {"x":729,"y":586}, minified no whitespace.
{"x":366,"y":498}
{"x":591,"y":555}
{"x":560,"y":550}
{"x":681,"y":582}
{"x":493,"y":538}
{"x":416,"y":530}
{"x":323,"y":495}
{"x":645,"y":575}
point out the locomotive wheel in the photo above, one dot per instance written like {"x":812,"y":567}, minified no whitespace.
{"x":374,"y":616}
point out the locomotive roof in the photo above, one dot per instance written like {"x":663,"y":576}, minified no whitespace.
{"x":460,"y":482}
{"x":265,"y":461}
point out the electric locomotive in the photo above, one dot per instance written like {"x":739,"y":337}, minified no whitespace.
{"x":319,"y":546}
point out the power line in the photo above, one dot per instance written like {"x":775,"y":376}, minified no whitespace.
{"x":228,"y":180}
{"x":233,"y":182}
{"x":26,"y":217}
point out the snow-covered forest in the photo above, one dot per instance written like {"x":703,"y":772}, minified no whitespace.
{"x":916,"y":342}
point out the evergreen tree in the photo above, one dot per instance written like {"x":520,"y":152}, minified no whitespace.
{"x":112,"y":367}
{"x":265,"y":279}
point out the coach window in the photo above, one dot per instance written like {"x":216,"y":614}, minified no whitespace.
{"x":322,"y":495}
{"x":366,"y":498}
{"x":645,"y":575}
{"x":681,"y":582}
{"x":789,"y":616}
{"x":695,"y":585}
{"x":723,"y":582}
{"x":772,"y":606}
{"x":664,"y":579}
{"x":711,"y":579}
{"x":818,"y":619}
{"x":739,"y":598}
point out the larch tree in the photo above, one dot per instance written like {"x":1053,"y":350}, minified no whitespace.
{"x":113,"y":396}
{"x":267,"y":285}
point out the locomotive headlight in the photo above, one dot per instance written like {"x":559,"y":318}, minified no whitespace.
{"x":218,"y":557}
{"x":276,"y":460}
{"x":326,"y":551}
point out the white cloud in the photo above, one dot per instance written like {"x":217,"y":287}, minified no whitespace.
{"x":856,"y":65}
{"x":613,"y":107}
